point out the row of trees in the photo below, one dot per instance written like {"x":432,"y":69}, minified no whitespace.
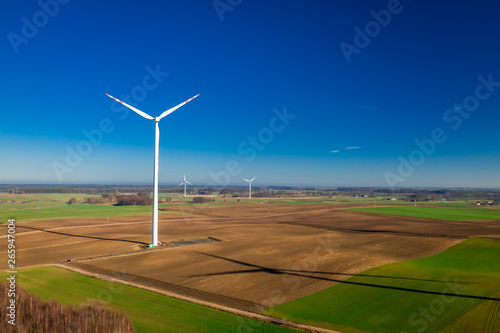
{"x":422,"y":194}
{"x":119,"y":200}
{"x":108,"y":191}
{"x":203,"y":200}
{"x":241,"y":192}
{"x":142,"y":199}
{"x":35,"y":315}
{"x":133,"y":200}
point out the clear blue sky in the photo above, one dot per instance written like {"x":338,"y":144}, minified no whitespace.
{"x":333,"y":93}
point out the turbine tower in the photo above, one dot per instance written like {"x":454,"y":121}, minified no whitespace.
{"x":156,"y":160}
{"x":249,"y":186}
{"x":184,"y":183}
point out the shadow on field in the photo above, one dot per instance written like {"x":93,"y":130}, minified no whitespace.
{"x":375,"y":231}
{"x":83,"y":236}
{"x":308,"y":274}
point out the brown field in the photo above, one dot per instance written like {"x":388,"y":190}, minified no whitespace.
{"x":262,"y":258}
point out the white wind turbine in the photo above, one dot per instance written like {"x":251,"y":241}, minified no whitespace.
{"x":156,"y":160}
{"x":249,"y":186}
{"x":184,"y":183}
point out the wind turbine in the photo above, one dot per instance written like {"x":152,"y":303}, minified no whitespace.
{"x":156,"y":160}
{"x":249,"y":186}
{"x":184,"y":183}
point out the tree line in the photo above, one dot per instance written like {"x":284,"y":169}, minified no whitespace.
{"x":141,"y":199}
{"x":36,"y":315}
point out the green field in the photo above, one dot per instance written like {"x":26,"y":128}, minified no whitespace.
{"x":80,"y":210}
{"x":149,"y":312}
{"x":39,"y":200}
{"x":439,"y":213}
{"x":457,"y":290}
{"x":55,"y":205}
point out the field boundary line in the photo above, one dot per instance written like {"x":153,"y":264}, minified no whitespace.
{"x":238,"y":312}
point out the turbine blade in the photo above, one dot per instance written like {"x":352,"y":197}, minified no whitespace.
{"x":245,"y":179}
{"x":253,"y":178}
{"x":181,"y":184}
{"x":169,"y":111}
{"x":188,"y":183}
{"x":145,"y":115}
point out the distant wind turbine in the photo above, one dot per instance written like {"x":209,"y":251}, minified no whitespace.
{"x":184,"y":183}
{"x":156,"y":159}
{"x":250,"y":186}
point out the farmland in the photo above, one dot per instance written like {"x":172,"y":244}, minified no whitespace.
{"x":458,"y":213}
{"x":455,"y":290}
{"x":261,"y":253}
{"x":150,"y":312}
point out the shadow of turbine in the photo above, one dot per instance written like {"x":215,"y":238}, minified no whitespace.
{"x":84,"y":236}
{"x":307,"y":274}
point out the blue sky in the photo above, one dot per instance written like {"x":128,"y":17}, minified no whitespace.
{"x":285,"y":88}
